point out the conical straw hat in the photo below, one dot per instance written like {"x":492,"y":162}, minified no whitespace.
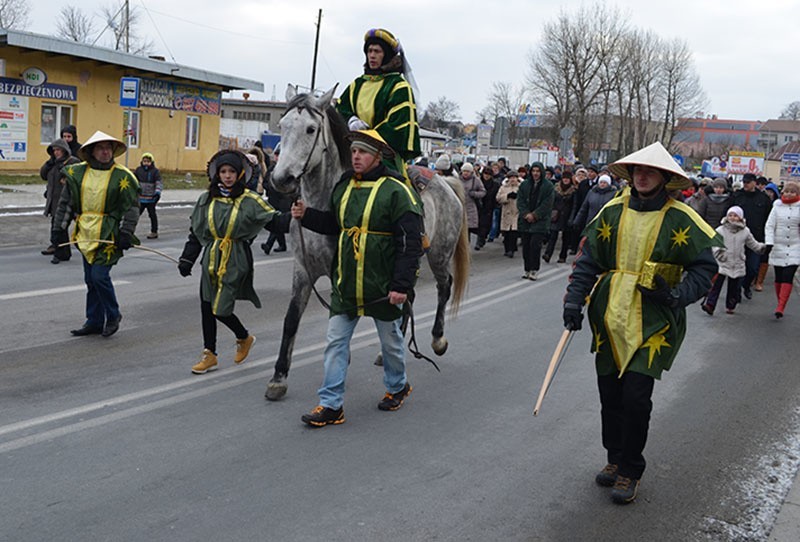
{"x":84,"y":153}
{"x":655,"y":156}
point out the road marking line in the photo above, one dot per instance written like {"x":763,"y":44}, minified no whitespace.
{"x":473,"y":306}
{"x":50,"y":291}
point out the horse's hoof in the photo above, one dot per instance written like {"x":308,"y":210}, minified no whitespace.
{"x":276,"y":388}
{"x":439,"y":346}
{"x":379,"y":360}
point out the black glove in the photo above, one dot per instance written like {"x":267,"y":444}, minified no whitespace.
{"x":185,"y":267}
{"x":124,"y":241}
{"x":573,"y":318}
{"x":512,"y":195}
{"x":156,"y":198}
{"x":661,"y":294}
{"x":767,"y":250}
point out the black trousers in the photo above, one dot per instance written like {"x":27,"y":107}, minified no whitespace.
{"x":733,"y":296}
{"x":625,"y":407}
{"x":532,"y":250}
{"x":785,"y":274}
{"x":151,"y":212}
{"x":210,"y":326}
{"x":566,"y":242}
{"x":510,"y":240}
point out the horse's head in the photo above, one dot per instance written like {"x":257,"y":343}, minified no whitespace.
{"x":305,"y":134}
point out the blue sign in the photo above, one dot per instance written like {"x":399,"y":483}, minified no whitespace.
{"x":50,"y":91}
{"x":678,"y":158}
{"x":129,"y":92}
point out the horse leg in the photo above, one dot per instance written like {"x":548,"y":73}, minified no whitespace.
{"x":277,"y":386}
{"x":443,"y":288}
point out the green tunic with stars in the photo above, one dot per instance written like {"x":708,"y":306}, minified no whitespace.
{"x":631,"y":333}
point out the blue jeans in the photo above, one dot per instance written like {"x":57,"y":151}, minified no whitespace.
{"x":495,"y":231}
{"x":101,"y":301}
{"x":337,"y":357}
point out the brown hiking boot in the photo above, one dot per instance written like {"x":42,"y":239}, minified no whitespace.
{"x":607,"y":476}
{"x":243,"y":348}
{"x":625,"y":490}
{"x":206,"y":364}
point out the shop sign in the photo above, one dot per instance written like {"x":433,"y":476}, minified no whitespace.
{"x":49,"y":91}
{"x":34,"y":77}
{"x":179,"y":97}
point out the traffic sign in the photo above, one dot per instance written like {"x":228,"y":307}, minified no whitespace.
{"x":129,"y":92}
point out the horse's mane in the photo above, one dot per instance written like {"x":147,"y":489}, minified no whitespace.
{"x":337,"y":124}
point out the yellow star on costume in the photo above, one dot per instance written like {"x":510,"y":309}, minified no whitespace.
{"x":680,"y":237}
{"x":598,"y":341}
{"x":109,"y":250}
{"x":69,"y":170}
{"x":124,"y":184}
{"x":655,"y":343}
{"x":604,"y":231}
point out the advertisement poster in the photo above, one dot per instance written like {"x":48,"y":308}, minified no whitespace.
{"x":13,"y":128}
{"x":790,"y":166}
{"x":741,"y":162}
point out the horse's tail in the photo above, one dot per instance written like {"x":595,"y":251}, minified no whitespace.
{"x":461,"y":258}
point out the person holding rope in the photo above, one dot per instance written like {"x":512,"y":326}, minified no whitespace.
{"x":103,"y":198}
{"x":224,"y":222}
{"x":653,"y":257}
{"x":378,"y":221}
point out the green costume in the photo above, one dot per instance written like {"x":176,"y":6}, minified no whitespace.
{"x":225,"y":227}
{"x":366,"y":212}
{"x":386,"y":103}
{"x":99,"y":198}
{"x":630,"y":246}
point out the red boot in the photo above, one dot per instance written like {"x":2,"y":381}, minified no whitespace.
{"x":783,"y":297}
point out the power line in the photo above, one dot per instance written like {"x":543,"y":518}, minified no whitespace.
{"x":201,"y":25}
{"x":158,"y":32}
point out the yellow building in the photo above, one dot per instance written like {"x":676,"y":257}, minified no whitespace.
{"x":47,"y":83}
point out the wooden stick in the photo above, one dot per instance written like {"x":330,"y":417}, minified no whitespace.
{"x":140,"y":247}
{"x":551,"y":369}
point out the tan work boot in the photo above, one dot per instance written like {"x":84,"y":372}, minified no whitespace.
{"x":207,"y":363}
{"x":243,"y":348}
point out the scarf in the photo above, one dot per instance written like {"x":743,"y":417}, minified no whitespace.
{"x":788,"y":200}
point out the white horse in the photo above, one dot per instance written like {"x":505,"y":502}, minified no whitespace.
{"x":315,"y":153}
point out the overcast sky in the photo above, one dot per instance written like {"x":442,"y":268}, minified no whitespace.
{"x":746,"y":52}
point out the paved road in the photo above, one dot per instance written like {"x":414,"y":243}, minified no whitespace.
{"x":114,"y":439}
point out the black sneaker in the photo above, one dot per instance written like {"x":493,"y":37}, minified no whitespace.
{"x":625,"y":490}
{"x":321,"y":416}
{"x":748,"y":293}
{"x":111,"y":327}
{"x":607,"y":476}
{"x":546,"y":258}
{"x":86,"y":330}
{"x":393,"y":401}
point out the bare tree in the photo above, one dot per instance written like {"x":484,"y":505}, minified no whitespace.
{"x":14,"y":14}
{"x":505,"y":100}
{"x":441,"y":113}
{"x":573,"y":68}
{"x":681,"y":86}
{"x":73,"y":24}
{"x":124,"y":24}
{"x":791,"y":111}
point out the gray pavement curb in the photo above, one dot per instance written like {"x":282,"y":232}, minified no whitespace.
{"x":787,"y":524}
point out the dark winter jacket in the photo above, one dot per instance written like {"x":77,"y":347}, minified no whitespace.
{"x":488,"y":203}
{"x":562,"y":207}
{"x":535,"y":198}
{"x":714,"y":208}
{"x":756,"y":206}
{"x":51,"y":172}
{"x":595,"y":199}
{"x":74,"y":145}
{"x":150,"y":182}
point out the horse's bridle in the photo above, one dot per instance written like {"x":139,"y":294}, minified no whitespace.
{"x":320,"y":129}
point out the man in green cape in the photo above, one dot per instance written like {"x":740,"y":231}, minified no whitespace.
{"x":653,"y":257}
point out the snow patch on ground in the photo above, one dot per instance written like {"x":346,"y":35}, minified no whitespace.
{"x":760,"y":486}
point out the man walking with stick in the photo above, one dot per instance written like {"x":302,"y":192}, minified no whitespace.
{"x":653,"y":257}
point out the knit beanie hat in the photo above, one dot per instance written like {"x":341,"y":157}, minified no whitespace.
{"x":468,"y":167}
{"x":738,"y":211}
{"x":604,"y":179}
{"x":443,"y":162}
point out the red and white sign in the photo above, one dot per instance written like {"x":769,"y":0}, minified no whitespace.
{"x":741,"y":162}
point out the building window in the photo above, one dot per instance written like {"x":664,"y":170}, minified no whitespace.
{"x":133,"y":125}
{"x":787,"y":138}
{"x":54,"y":119}
{"x":192,"y":131}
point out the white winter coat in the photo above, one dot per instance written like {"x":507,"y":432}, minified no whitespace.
{"x":783,"y":233}
{"x":737,"y":236}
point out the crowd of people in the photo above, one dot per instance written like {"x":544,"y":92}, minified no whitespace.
{"x":648,"y":241}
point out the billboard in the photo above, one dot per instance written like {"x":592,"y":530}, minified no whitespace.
{"x":741,"y":162}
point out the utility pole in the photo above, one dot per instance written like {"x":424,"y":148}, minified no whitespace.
{"x":127,"y":26}
{"x":316,"y":48}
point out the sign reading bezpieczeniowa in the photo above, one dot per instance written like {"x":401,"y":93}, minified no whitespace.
{"x":50,"y":91}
